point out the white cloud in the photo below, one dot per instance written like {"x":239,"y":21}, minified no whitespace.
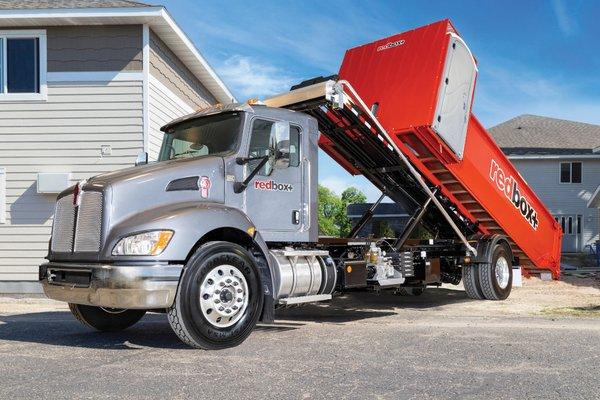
{"x":566,"y":22}
{"x":250,"y":78}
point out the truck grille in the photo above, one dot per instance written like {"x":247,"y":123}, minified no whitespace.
{"x":78,"y":229}
{"x":89,"y":223}
{"x":62,"y":229}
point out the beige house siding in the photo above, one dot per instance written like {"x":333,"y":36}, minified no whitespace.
{"x":63,"y":134}
{"x":171,"y":72}
{"x":163,"y":107}
{"x":94,"y":48}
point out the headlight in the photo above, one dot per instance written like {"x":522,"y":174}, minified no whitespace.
{"x":143,"y":244}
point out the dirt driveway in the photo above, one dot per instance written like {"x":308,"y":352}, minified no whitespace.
{"x":544,"y":342}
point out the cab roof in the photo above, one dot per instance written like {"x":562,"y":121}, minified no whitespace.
{"x":232,"y":107}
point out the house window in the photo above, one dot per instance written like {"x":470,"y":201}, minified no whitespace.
{"x":570,"y":172}
{"x":22,"y":65}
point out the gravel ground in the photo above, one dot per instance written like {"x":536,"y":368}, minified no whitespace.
{"x":544,"y":342}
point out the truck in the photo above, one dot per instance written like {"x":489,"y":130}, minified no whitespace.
{"x":222,"y":230}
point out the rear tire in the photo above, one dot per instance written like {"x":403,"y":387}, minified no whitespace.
{"x":496,"y":278}
{"x":470,"y":278}
{"x":105,"y":319}
{"x":219,"y":298}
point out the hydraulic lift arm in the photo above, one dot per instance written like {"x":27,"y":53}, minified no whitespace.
{"x":338,"y":102}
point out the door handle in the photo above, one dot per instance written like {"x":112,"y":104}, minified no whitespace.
{"x":295,"y":217}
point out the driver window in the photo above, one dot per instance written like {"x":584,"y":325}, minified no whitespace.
{"x":259,"y":145}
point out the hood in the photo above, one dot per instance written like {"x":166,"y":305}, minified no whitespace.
{"x":137,"y":189}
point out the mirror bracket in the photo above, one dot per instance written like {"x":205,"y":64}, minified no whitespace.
{"x":142,"y":159}
{"x":239,"y":187}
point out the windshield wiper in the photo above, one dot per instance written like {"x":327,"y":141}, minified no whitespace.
{"x":184,"y":153}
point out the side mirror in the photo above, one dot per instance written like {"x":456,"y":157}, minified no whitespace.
{"x":280,"y":144}
{"x":142,"y":159}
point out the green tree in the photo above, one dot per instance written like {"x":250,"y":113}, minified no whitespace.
{"x":329,"y":205}
{"x":332,"y":210}
{"x":382,"y":229}
{"x":349,"y":196}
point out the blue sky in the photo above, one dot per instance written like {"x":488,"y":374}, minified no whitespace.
{"x":535,"y":57}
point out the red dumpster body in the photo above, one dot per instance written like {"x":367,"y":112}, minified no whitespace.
{"x":415,"y":86}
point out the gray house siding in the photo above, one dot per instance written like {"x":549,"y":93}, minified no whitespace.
{"x":94,"y":48}
{"x":65,"y":134}
{"x":565,"y":199}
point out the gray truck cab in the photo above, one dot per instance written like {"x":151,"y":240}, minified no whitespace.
{"x":240,"y":175}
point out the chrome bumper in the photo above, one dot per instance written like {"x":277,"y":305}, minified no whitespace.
{"x":115,"y":286}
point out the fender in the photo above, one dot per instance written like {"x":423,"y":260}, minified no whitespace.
{"x":484,"y":244}
{"x":190,"y":222}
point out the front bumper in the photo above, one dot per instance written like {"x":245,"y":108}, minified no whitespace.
{"x":114,"y":286}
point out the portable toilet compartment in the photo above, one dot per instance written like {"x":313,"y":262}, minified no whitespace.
{"x":433,"y":89}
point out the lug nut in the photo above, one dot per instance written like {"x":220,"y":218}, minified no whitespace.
{"x":228,"y":311}
{"x":235,"y":283}
{"x":217,"y":291}
{"x":217,"y":301}
{"x":235,"y":307}
{"x":239,"y":290}
{"x":228,"y":280}
{"x":239,"y":300}
{"x":221,"y":308}
{"x":222,"y":283}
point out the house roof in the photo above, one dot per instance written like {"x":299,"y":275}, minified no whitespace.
{"x":53,"y":4}
{"x":383,"y":210}
{"x":536,"y":135}
{"x":41,"y":13}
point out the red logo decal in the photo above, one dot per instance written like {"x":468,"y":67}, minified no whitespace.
{"x":508,"y":185}
{"x":272,"y":185}
{"x":76,"y":191}
{"x":205,"y":185}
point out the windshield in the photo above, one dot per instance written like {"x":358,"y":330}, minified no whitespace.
{"x":213,"y":135}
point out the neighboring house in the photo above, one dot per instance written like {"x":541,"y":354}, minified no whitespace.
{"x":84,"y":87}
{"x":390,"y":217}
{"x":561,"y":162}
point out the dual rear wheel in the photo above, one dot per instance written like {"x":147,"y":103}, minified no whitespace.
{"x":493,"y":280}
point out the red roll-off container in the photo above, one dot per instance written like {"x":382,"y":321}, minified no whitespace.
{"x":423,"y":82}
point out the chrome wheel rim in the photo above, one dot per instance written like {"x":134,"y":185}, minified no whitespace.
{"x":223,"y":296}
{"x":502,"y":272}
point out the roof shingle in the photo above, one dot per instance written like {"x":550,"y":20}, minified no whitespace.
{"x":58,"y":4}
{"x":532,"y":134}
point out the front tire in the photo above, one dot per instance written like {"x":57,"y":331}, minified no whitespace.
{"x":105,"y":319}
{"x":219,"y":297}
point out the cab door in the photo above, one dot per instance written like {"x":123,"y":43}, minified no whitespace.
{"x":274,"y":195}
